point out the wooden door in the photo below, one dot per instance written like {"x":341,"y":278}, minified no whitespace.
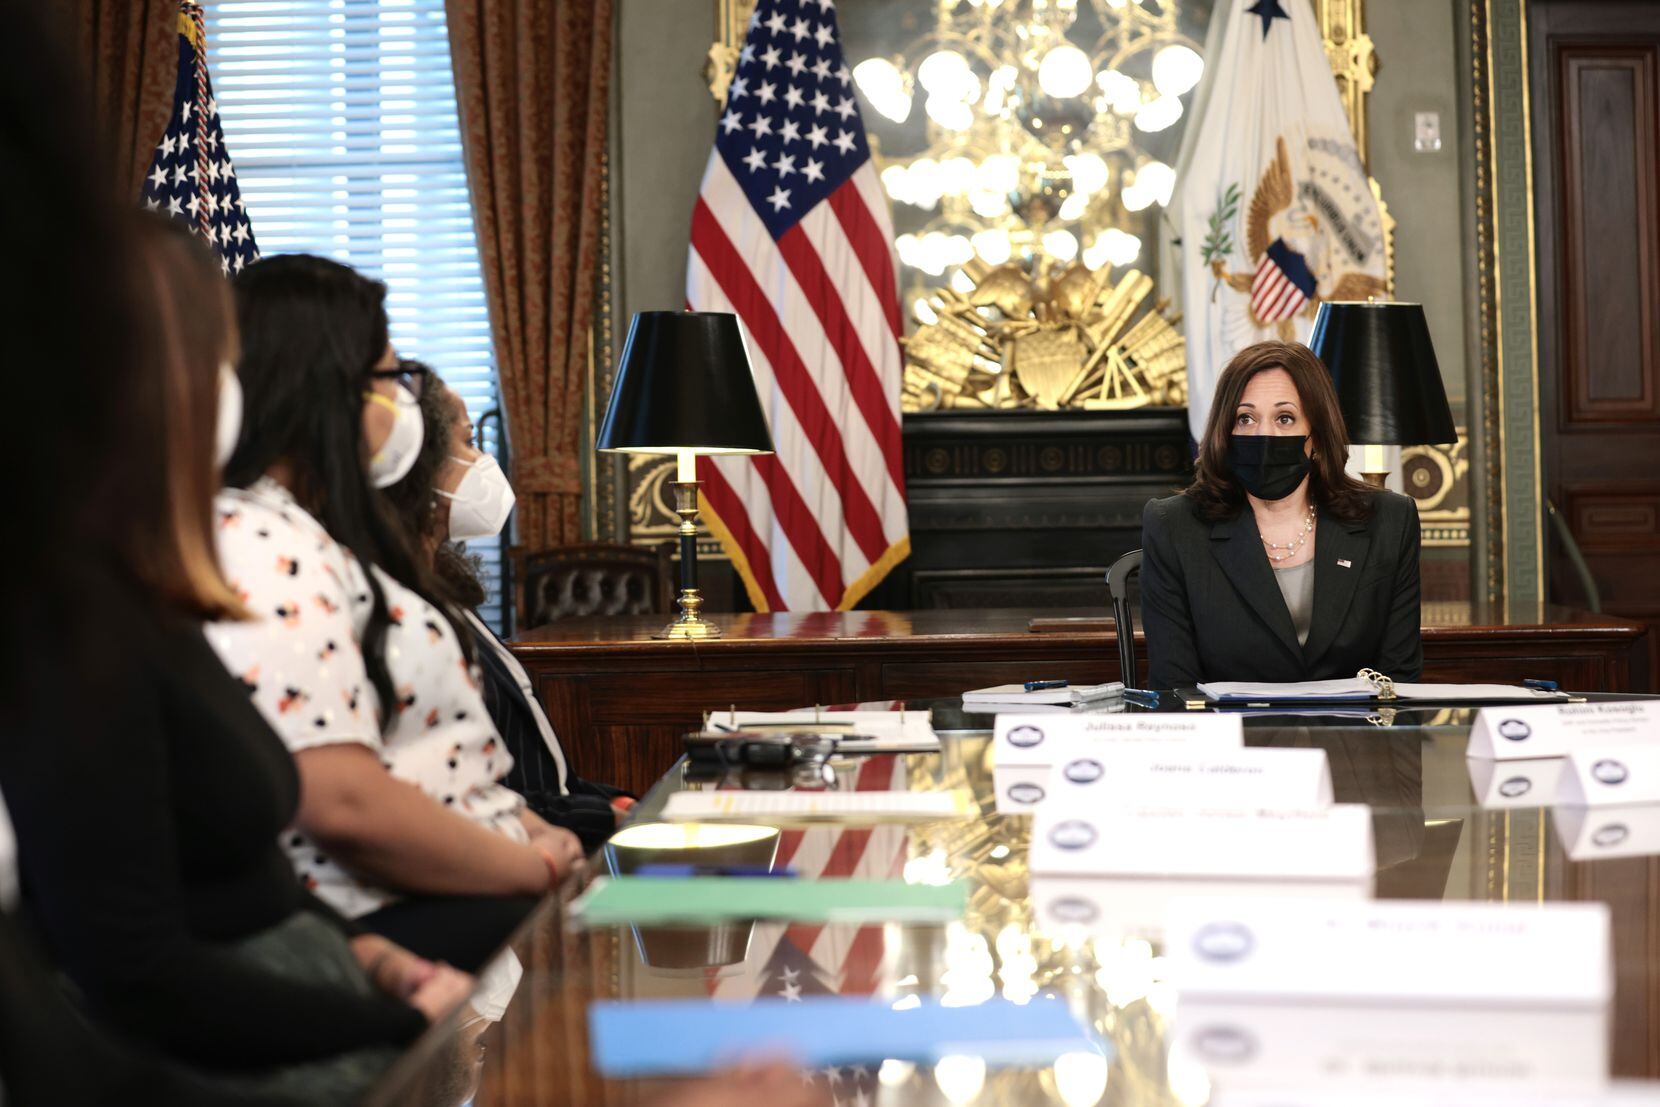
{"x":1594,"y":69}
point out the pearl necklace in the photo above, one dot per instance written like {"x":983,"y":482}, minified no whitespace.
{"x":1295,"y":544}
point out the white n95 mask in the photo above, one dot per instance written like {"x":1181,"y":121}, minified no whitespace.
{"x":481,"y":503}
{"x":397,"y":457}
{"x":228,"y":426}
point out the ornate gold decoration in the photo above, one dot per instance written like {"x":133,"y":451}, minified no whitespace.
{"x":1437,"y":478}
{"x":1016,"y":340}
{"x":1353,"y":61}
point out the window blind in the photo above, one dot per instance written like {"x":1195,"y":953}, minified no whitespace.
{"x":340,"y":118}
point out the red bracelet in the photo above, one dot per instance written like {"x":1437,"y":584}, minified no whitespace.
{"x":554,"y":875}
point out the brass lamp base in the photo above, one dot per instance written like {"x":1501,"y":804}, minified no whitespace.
{"x":690,"y":626}
{"x":1374,"y":479}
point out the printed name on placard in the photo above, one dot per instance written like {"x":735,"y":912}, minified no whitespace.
{"x":1553,"y":730}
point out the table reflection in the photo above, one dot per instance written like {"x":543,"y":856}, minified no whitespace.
{"x":1440,"y":831}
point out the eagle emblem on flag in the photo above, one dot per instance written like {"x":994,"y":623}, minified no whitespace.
{"x":1304,"y":242}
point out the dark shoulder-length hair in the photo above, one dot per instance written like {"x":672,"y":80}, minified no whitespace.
{"x":416,"y":501}
{"x":1215,"y":492}
{"x":160,"y":509}
{"x":312,"y":332}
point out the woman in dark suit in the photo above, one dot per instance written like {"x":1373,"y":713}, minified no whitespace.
{"x":1275,"y":564}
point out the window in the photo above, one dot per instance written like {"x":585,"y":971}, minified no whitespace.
{"x":340,"y":118}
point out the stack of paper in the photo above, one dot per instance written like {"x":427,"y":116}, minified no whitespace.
{"x":854,"y":731}
{"x":705,"y":900}
{"x":816,"y":1032}
{"x":1011,"y":696}
{"x":800,"y":807}
{"x":1361,"y":690}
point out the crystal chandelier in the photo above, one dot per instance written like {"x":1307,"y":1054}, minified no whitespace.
{"x":1048,"y":134}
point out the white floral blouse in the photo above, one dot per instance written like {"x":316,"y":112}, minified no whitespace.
{"x":301,"y":661}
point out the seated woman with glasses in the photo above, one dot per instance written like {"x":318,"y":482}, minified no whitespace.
{"x":1275,"y":565}
{"x":455,"y":492}
{"x":354,"y":658}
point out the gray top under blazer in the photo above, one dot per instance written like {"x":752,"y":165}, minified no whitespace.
{"x":1212,"y":609}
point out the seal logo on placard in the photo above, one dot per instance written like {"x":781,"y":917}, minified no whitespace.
{"x":1609,"y":771}
{"x":1025,"y":791}
{"x":1072,"y":834}
{"x":1073,"y":909}
{"x":1611,"y":835}
{"x":1223,"y":941}
{"x":1224,"y":1045}
{"x":1514,"y":729}
{"x":1025,"y":736}
{"x":1515,"y":786}
{"x":1085,"y":770}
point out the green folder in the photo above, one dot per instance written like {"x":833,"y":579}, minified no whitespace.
{"x":653,"y":900}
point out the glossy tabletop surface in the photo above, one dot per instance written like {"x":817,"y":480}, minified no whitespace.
{"x":1440,"y":833}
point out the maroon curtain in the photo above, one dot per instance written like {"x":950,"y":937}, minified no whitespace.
{"x":132,"y":53}
{"x":533,"y":85}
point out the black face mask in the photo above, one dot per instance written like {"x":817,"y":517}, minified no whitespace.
{"x":1270,"y":466}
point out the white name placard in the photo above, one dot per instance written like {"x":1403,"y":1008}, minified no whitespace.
{"x":1180,"y":841}
{"x":1116,"y":908}
{"x":1249,"y":778}
{"x":1033,"y":739}
{"x":1469,"y":954}
{"x":1553,"y":730}
{"x":1528,"y":783}
{"x":1597,"y":775}
{"x":1595,"y":833}
{"x":1331,"y":1054}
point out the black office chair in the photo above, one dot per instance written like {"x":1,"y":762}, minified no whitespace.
{"x":1123,"y":615}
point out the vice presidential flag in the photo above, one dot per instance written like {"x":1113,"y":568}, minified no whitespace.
{"x":791,"y":234}
{"x":1275,"y":212}
{"x":191,"y":177}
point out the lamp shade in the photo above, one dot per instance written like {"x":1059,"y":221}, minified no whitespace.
{"x":684,"y":384}
{"x":1383,"y":364}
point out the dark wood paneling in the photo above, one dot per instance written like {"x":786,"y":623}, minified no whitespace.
{"x":1596,"y":133}
{"x":1607,"y":151}
{"x":1613,"y":517}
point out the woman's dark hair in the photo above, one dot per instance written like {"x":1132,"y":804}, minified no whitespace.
{"x":1214,"y":490}
{"x":312,"y":332}
{"x":161,"y":509}
{"x":416,"y":499}
{"x":69,"y":327}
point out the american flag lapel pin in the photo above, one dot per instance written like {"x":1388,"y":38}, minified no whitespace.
{"x":1345,"y":563}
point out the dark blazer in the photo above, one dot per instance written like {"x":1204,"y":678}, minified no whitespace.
{"x":1212,"y":610}
{"x":581,"y":806}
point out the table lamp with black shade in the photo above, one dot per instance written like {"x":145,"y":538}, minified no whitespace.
{"x":684,"y":387}
{"x":1388,"y":383}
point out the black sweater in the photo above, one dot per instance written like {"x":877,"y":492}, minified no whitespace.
{"x":148,"y":795}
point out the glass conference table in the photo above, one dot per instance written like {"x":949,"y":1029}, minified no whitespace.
{"x":1438,"y":835}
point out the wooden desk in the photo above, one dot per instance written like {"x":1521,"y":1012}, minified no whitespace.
{"x":620,"y":699}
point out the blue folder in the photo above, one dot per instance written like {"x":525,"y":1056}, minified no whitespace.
{"x":691,"y":1036}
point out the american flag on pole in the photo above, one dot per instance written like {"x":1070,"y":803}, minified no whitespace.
{"x":791,"y":234}
{"x":191,"y":177}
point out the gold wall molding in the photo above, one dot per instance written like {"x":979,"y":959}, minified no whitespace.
{"x":1510,"y":535}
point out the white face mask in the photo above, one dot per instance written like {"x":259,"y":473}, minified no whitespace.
{"x":403,"y":445}
{"x":229,"y":425}
{"x":481,"y":503}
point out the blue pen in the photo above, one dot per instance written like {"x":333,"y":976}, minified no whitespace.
{"x":1042,"y":685}
{"x":1542,"y":685}
{"x":711,"y":870}
{"x":1142,"y":697}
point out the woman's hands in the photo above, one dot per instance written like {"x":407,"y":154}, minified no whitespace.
{"x":431,"y":987}
{"x":559,"y":847}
